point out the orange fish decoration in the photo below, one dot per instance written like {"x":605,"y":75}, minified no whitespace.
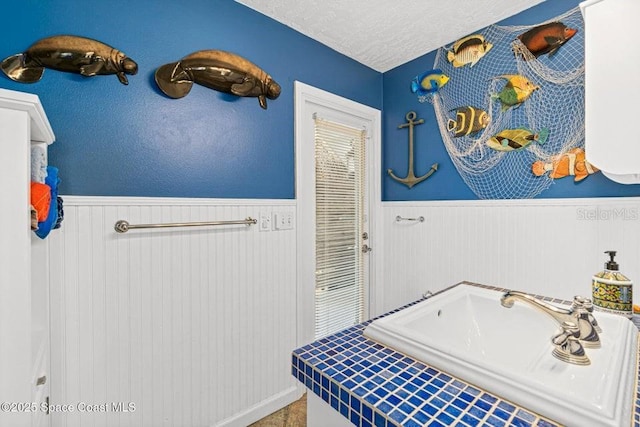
{"x":572,"y":163}
{"x":546,"y":38}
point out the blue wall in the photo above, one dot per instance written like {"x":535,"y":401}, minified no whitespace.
{"x":115,"y":140}
{"x":446,"y":183}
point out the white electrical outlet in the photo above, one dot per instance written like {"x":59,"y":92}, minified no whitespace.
{"x":283,"y":220}
{"x":264,"y":223}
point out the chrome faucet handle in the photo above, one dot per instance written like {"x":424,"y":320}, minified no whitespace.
{"x":568,"y":347}
{"x":580,"y":302}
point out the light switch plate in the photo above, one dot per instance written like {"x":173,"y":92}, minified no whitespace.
{"x":283,"y":220}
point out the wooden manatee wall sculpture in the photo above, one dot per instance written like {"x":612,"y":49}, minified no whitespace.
{"x":218,"y":70}
{"x":71,"y":54}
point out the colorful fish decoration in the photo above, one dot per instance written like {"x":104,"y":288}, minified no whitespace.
{"x":546,"y":38}
{"x":429,"y":82}
{"x":517,"y":90}
{"x":572,"y":163}
{"x":468,"y":50}
{"x":516,"y":139}
{"x":469,"y":120}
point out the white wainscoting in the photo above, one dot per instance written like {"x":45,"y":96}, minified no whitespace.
{"x":548,"y":246}
{"x":193,"y":326}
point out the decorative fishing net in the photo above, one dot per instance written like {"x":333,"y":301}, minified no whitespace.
{"x":557,"y":106}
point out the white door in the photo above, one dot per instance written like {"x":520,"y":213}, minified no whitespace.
{"x":338,"y":194}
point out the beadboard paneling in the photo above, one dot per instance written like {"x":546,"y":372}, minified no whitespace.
{"x":194,"y":326}
{"x":548,"y":247}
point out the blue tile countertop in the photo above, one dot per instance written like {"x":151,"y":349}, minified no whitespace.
{"x":373,"y":385}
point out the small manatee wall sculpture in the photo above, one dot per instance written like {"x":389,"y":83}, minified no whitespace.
{"x":218,"y":70}
{"x":71,"y":54}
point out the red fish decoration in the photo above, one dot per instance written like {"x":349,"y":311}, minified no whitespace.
{"x":546,"y":38}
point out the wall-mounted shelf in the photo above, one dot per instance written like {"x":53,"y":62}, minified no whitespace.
{"x":40,"y":129}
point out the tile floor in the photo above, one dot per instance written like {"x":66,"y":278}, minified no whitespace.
{"x":294,"y":415}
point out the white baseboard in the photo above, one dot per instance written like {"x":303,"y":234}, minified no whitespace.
{"x":264,"y":408}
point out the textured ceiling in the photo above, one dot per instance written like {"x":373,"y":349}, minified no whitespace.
{"x":383,"y":34}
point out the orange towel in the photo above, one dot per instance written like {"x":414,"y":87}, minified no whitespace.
{"x":41,"y":199}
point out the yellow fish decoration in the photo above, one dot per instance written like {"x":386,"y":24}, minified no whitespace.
{"x":517,"y":90}
{"x":469,"y":121}
{"x":516,"y":139}
{"x":468,"y":50}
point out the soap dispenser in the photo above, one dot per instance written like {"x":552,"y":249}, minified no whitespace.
{"x":612,"y":290}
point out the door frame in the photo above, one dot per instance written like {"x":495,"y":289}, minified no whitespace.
{"x":309,"y":100}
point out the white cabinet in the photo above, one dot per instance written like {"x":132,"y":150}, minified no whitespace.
{"x":612,"y":93}
{"x":24,"y":287}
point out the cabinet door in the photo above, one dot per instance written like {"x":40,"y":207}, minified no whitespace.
{"x":24,"y":304}
{"x":15,"y":266}
{"x":612,"y":61}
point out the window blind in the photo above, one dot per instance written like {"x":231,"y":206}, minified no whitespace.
{"x":340,"y":189}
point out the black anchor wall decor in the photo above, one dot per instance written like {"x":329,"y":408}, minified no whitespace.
{"x":411,"y":179}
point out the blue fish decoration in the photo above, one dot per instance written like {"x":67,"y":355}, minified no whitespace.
{"x":428,"y":82}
